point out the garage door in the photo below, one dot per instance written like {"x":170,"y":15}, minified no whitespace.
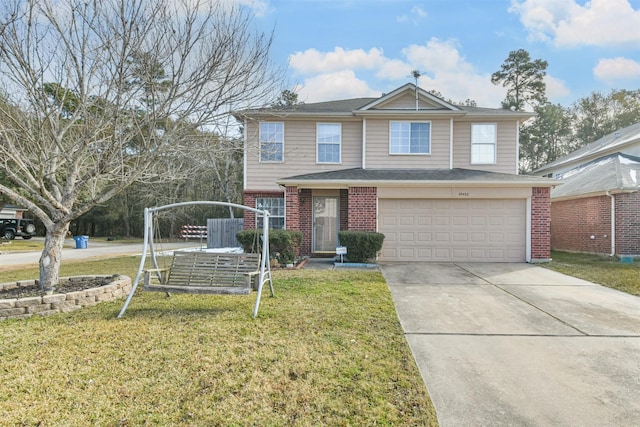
{"x":473,"y":230}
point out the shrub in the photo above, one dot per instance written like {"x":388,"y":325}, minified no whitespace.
{"x":283,"y":244}
{"x":362,"y":246}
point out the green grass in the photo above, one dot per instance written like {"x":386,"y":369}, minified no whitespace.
{"x":603,"y":270}
{"x":20,"y":245}
{"x":327,"y":350}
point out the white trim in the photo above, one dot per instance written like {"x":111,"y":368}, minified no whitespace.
{"x":411,"y":122}
{"x":613,"y":224}
{"x":405,"y":88}
{"x":318,"y":162}
{"x":495,"y":144}
{"x":527,"y":256}
{"x":517,"y":148}
{"x":284,"y":207}
{"x":260,"y":141}
{"x":245,"y":160}
{"x":364,"y":143}
{"x":451,"y":143}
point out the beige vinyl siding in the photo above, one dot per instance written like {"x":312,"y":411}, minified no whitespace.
{"x":378,"y":146}
{"x":299,"y":152}
{"x":506,"y":150}
{"x":406,"y":102}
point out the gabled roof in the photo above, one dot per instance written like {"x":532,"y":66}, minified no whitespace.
{"x":608,"y":144}
{"x":615,"y":173}
{"x":421,"y":94}
{"x":416,"y":177}
{"x":383,"y":105}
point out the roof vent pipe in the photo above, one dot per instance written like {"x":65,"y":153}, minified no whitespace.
{"x":416,"y":75}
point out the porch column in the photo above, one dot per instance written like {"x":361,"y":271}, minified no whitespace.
{"x":292,"y":209}
{"x":363,"y":212}
{"x":298,"y":204}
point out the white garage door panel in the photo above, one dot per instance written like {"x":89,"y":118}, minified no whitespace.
{"x":480,"y":230}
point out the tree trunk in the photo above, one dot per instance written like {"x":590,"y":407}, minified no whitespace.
{"x":52,"y":257}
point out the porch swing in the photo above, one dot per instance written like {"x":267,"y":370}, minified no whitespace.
{"x":203,"y":272}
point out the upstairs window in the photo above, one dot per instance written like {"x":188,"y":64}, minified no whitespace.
{"x":483,"y":143}
{"x":410,"y":137}
{"x":271,"y":141}
{"x":275,"y":206}
{"x":329,"y":142}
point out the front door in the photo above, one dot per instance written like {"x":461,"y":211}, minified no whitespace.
{"x":325,"y":224}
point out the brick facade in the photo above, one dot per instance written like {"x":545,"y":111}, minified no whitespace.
{"x":358,"y":211}
{"x":584,"y":225}
{"x":628,"y":223}
{"x":540,"y":224}
{"x":574,"y":222}
{"x":363,"y":203}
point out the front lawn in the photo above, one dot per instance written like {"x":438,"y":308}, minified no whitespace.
{"x":327,"y":350}
{"x":603,"y":270}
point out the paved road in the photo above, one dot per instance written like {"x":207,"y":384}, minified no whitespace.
{"x":95,"y":249}
{"x":520,"y":345}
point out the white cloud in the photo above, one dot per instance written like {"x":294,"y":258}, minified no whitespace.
{"x":556,"y":88}
{"x":339,"y":85}
{"x":336,"y":74}
{"x":446,"y":70}
{"x":312,"y":61}
{"x":260,"y":7}
{"x":416,"y":15}
{"x":568,"y":24}
{"x":394,"y":69}
{"x":612,"y":69}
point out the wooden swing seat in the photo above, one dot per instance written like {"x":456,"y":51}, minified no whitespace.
{"x":201,"y":272}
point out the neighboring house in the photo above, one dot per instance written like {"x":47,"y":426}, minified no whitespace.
{"x":11,"y":211}
{"x":440,"y":181}
{"x":597,"y":209}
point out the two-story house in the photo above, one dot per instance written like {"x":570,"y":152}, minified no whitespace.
{"x":440,"y":181}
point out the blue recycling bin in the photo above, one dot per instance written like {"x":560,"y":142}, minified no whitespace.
{"x":81,"y":242}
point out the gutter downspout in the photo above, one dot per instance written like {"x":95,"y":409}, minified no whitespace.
{"x":527,"y":256}
{"x":613,"y":223}
{"x":518,"y":147}
{"x":451,"y":143}
{"x":246,"y":154}
{"x":364,"y":143}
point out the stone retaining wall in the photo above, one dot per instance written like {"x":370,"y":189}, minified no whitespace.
{"x":22,"y":308}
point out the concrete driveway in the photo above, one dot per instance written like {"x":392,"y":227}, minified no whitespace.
{"x":520,"y":345}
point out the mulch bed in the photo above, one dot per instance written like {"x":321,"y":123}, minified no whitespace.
{"x":63,"y":287}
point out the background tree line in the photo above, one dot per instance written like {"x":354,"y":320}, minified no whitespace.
{"x":557,"y":130}
{"x":108,"y":106}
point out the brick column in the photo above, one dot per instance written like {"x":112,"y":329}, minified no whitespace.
{"x":305,"y":210}
{"x":292,"y":208}
{"x":344,"y":210}
{"x":540,"y":224}
{"x":362,"y":208}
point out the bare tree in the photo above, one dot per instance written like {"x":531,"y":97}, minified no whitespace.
{"x":95,"y":95}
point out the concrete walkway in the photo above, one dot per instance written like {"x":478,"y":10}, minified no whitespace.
{"x":520,"y":345}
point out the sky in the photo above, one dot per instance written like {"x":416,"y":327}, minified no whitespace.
{"x":339,"y":49}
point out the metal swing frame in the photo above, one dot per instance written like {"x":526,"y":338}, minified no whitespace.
{"x":148,"y":246}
